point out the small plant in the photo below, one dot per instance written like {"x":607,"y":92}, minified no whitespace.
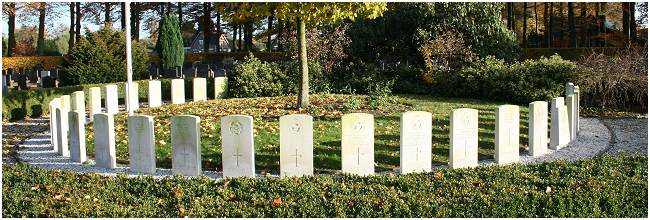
{"x":380,"y":93}
{"x":353,"y":103}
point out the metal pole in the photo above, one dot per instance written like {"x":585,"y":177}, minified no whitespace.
{"x":129,"y":63}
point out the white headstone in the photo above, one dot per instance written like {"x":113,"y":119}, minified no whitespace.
{"x":357,"y":144}
{"x":507,"y":134}
{"x":66,"y":103}
{"x":142,"y":147}
{"x":5,"y":88}
{"x":568,"y":89}
{"x":237,"y":146}
{"x":220,"y":87}
{"x":134,"y":99}
{"x":571,"y":115}
{"x":296,"y":145}
{"x":537,"y":128}
{"x":95,"y":101}
{"x":178,"y":91}
{"x":576,"y":91}
{"x":463,"y":135}
{"x":62,"y":132}
{"x":111,"y":99}
{"x":415,"y":142}
{"x":155,"y":98}
{"x":77,"y":121}
{"x":104,"y":137}
{"x":199,"y":89}
{"x":560,"y":136}
{"x":54,"y":104}
{"x":79,"y":102}
{"x":45,"y":73}
{"x":186,"y":145}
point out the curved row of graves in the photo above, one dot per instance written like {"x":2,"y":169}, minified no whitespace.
{"x":296,"y":134}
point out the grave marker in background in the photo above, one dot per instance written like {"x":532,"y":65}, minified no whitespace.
{"x":104,"y":137}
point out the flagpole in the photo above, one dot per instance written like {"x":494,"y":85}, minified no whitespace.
{"x":129,"y":62}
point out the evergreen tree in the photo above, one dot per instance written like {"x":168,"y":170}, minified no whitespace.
{"x":170,"y":42}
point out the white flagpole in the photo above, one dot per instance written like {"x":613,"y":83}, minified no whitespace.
{"x":129,"y":62}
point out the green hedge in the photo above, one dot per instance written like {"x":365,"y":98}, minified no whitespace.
{"x":18,"y":105}
{"x":573,"y":54}
{"x":603,"y":187}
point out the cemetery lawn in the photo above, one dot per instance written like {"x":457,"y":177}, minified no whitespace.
{"x":601,"y":187}
{"x":327,"y":111}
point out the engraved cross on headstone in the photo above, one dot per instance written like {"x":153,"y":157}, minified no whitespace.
{"x":237,"y":155}
{"x":296,"y":155}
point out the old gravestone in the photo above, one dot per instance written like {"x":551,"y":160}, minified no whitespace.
{"x":155,"y":98}
{"x":571,"y":115}
{"x":134,"y":98}
{"x":79,"y":102}
{"x":199,"y":89}
{"x":178,"y":91}
{"x":415,"y":142}
{"x":111,"y":99}
{"x":296,"y":145}
{"x":66,"y":103}
{"x":62,"y":131}
{"x":186,"y":145}
{"x":507,"y":134}
{"x":54,"y":104}
{"x":537,"y":128}
{"x":576,"y":92}
{"x":237,"y":146}
{"x":220,"y":87}
{"x":142,"y":147}
{"x":95,"y":100}
{"x":560,"y":136}
{"x":357,"y":144}
{"x":463,"y":135}
{"x":104,"y":137}
{"x":77,"y":121}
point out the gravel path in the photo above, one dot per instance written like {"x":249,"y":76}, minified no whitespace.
{"x":593,"y":140}
{"x":630,"y":136}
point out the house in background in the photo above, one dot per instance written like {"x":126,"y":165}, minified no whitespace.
{"x":219,"y":44}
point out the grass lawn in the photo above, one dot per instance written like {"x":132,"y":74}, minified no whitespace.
{"x":602,"y":187}
{"x":327,"y":111}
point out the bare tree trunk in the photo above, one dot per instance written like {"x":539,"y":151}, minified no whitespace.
{"x":234,"y":37}
{"x":585,"y":25}
{"x":248,"y":36}
{"x":268,"y":30}
{"x":107,"y":12}
{"x":303,"y":97}
{"x":632,"y":21}
{"x":239,"y":48}
{"x":572,"y":27}
{"x":71,"y":39}
{"x":135,"y":21}
{"x":207,"y":29}
{"x":219,"y":32}
{"x":41,"y":29}
{"x":123,"y":17}
{"x":77,"y":27}
{"x":12,"y":29}
{"x":524,"y":31}
{"x":550,"y":25}
{"x":180,"y":14}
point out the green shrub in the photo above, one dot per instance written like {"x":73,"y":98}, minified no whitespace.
{"x":604,"y":187}
{"x":100,"y":57}
{"x":359,"y":77}
{"x":519,"y":82}
{"x":170,"y":42}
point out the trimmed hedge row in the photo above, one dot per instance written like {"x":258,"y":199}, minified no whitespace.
{"x":18,"y":105}
{"x":603,"y":187}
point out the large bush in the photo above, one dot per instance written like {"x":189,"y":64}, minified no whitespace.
{"x":615,"y":81}
{"x":100,"y":57}
{"x":170,"y":42}
{"x":255,"y":78}
{"x":520,"y":82}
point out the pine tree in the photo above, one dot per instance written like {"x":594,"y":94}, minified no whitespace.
{"x":170,"y":42}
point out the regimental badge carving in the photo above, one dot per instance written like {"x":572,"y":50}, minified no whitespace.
{"x":417,"y":125}
{"x":296,"y":127}
{"x":235,"y":127}
{"x":358,"y":126}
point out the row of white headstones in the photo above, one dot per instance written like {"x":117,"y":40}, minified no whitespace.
{"x":296,"y":136}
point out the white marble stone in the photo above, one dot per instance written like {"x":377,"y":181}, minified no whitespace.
{"x":357,"y":144}
{"x":79,"y":102}
{"x":237,"y":146}
{"x":111,"y":99}
{"x":506,"y":134}
{"x":62,"y":132}
{"x":463,"y":135}
{"x":572,"y":116}
{"x":95,"y":102}
{"x":155,"y":98}
{"x":199,"y":89}
{"x":415,"y":142}
{"x":134,"y":98}
{"x":220,"y":87}
{"x":54,"y":104}
{"x":576,"y":91}
{"x":104,"y":139}
{"x":77,"y":121}
{"x":560,"y":135}
{"x":296,"y":145}
{"x":142,"y":145}
{"x":66,"y":102}
{"x":186,"y":145}
{"x":537,"y":128}
{"x":178,"y":91}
